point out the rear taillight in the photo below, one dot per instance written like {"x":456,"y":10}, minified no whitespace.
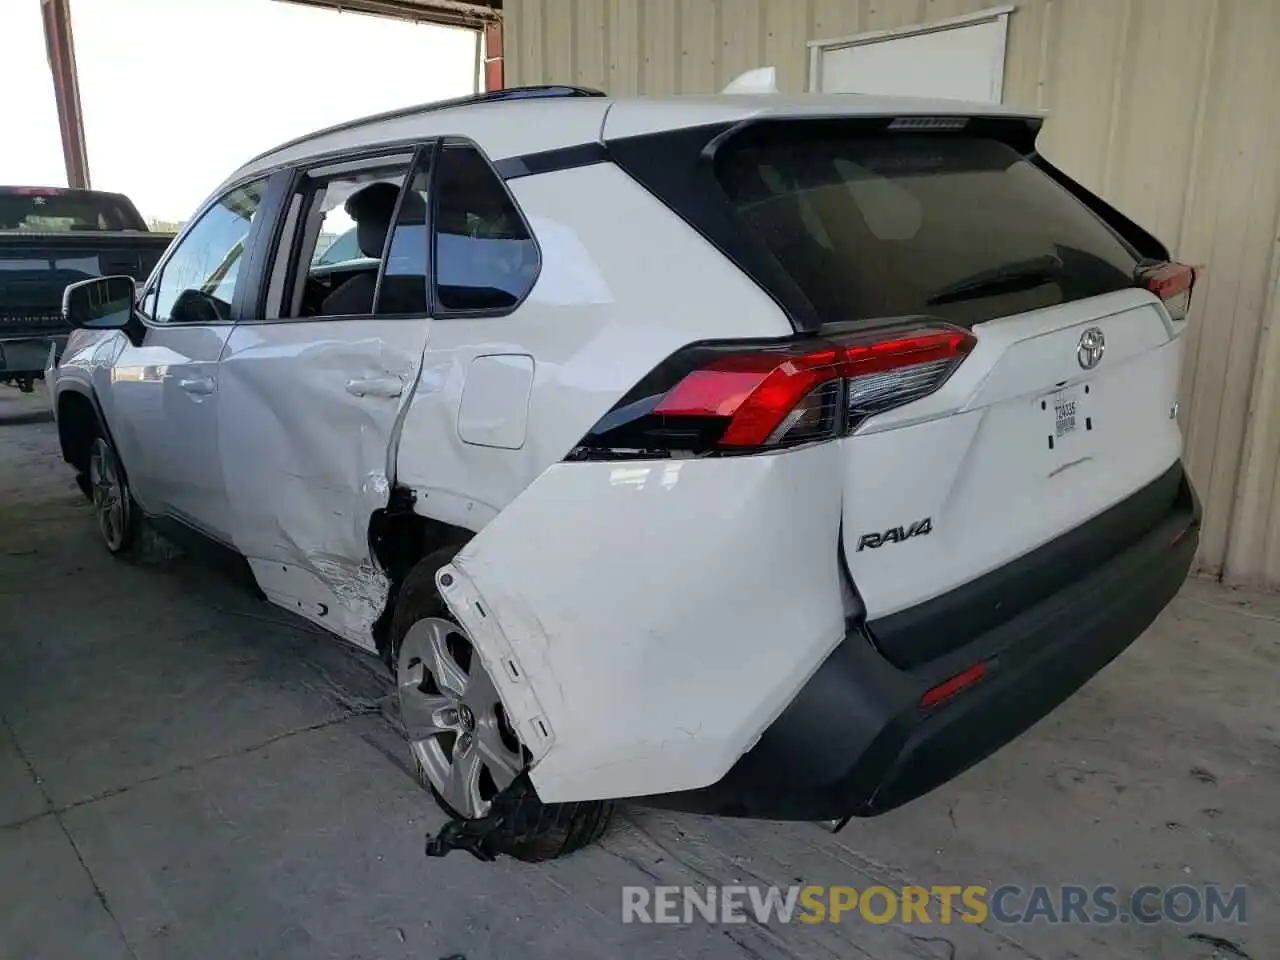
{"x":1172,"y":283}
{"x":746,"y":396}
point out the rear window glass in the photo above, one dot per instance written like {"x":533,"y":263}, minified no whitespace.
{"x":960,"y":228}
{"x":53,"y":211}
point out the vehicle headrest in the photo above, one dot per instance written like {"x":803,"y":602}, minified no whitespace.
{"x":372,"y":208}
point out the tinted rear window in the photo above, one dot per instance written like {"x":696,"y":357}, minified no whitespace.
{"x":956,"y":227}
{"x":54,"y":211}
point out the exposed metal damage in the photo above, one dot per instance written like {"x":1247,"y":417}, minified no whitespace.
{"x":360,"y":589}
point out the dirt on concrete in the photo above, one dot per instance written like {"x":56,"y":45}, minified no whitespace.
{"x":188,"y":772}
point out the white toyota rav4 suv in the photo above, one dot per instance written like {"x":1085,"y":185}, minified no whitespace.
{"x":756,"y":455}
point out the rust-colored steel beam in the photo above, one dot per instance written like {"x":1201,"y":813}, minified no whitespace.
{"x":66,"y":89}
{"x":493,"y":73}
{"x":472,"y":14}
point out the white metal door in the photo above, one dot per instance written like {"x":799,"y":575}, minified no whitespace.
{"x":310,"y":413}
{"x":165,"y":404}
{"x":312,"y":386}
{"x":165,"y":391}
{"x":959,"y":59}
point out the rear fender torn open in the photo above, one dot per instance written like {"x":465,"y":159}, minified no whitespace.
{"x":509,"y":676}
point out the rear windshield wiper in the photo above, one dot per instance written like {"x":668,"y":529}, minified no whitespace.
{"x":1011,"y":278}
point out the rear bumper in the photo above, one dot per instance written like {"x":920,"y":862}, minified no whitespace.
{"x":855,"y":740}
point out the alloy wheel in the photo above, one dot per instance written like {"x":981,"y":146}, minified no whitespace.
{"x":110,"y":495}
{"x":459,"y":734}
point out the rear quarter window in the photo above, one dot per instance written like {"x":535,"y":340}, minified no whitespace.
{"x":486,"y":259}
{"x":957,"y":227}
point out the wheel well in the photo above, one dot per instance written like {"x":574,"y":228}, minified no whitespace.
{"x":77,"y":426}
{"x":398,"y":539}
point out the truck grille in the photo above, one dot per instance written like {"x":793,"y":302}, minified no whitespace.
{"x":13,"y":321}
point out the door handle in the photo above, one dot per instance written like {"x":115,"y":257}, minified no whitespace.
{"x":387,"y":387}
{"x":198,"y":386}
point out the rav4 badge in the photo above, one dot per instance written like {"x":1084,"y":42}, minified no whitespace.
{"x":920,"y":528}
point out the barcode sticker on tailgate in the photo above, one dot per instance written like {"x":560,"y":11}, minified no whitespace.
{"x":1065,"y":408}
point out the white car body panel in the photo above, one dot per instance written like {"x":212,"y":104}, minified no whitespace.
{"x":994,"y":489}
{"x":655,"y":667}
{"x":165,"y":398}
{"x":595,"y":324}
{"x":306,"y":451}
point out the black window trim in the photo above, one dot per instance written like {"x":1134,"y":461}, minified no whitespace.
{"x":244,"y":277}
{"x":430,"y":152}
{"x":280,"y":193}
{"x":454,"y":313}
{"x":292,"y":175}
{"x":283,"y":181}
{"x":551,"y":161}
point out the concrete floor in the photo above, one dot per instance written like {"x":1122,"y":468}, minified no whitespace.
{"x":187,"y":772}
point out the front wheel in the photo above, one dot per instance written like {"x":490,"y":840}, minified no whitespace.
{"x":113,"y":505}
{"x":464,"y":749}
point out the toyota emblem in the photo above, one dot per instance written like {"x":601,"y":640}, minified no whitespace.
{"x":1090,"y":348}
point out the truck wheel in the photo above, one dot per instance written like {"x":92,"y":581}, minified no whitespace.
{"x":113,"y":506}
{"x":463,"y":747}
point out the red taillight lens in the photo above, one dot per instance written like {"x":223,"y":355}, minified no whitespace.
{"x":755,"y":391}
{"x":1172,"y":283}
{"x":739,"y":397}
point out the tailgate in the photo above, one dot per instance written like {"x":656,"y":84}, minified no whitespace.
{"x":36,"y":268}
{"x":1064,"y":404}
{"x":1021,"y":445}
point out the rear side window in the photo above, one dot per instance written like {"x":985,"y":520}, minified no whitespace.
{"x":346,"y":211}
{"x":956,"y":227}
{"x":485,"y":258}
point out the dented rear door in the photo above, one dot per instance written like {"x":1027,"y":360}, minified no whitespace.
{"x":312,"y":402}
{"x":309,"y":412}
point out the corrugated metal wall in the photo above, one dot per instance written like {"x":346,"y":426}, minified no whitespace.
{"x":1168,"y":108}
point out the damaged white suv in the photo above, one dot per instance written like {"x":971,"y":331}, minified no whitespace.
{"x":755,"y":455}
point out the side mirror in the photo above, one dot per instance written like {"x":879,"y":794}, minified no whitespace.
{"x":103,"y":303}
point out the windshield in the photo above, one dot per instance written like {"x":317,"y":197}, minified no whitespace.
{"x":340,"y":249}
{"x":53,"y":210}
{"x":961,"y":228}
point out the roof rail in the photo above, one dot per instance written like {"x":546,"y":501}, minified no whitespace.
{"x":537,"y":92}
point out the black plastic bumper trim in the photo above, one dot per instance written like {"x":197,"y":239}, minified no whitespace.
{"x":936,"y":627}
{"x":855,"y":742}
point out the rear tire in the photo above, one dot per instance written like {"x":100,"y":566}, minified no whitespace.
{"x":532,"y":830}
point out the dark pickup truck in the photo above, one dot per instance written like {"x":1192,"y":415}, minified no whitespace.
{"x":51,"y":237}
